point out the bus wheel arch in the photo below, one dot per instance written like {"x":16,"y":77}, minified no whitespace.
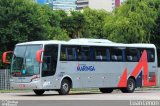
{"x":69,"y":79}
{"x":131,"y":85}
{"x":132,"y":77}
{"x":66,"y":85}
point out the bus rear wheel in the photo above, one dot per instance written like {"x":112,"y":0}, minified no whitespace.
{"x":65,"y":87}
{"x":131,"y":84}
{"x":39,"y":92}
{"x":106,"y":90}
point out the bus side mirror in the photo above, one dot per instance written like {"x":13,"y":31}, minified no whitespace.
{"x":38,"y":56}
{"x":4,"y":57}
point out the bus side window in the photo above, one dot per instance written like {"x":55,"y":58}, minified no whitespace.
{"x":116,"y":54}
{"x":101,"y":54}
{"x":85,"y":53}
{"x":70,"y":54}
{"x":63,"y":54}
{"x":131,"y":55}
{"x":78,"y":54}
{"x":150,"y":55}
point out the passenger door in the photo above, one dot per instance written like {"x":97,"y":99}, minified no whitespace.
{"x":49,"y":65}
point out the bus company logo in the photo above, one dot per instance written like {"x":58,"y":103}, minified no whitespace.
{"x":84,"y":67}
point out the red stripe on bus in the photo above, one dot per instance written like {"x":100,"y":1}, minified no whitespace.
{"x":142,"y":65}
{"x":123,"y":81}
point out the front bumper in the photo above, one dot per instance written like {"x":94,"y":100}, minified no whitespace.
{"x":30,"y":85}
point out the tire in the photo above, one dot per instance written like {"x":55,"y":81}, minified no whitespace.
{"x":65,"y":87}
{"x":39,"y":92}
{"x":131,"y":84}
{"x":106,"y":90}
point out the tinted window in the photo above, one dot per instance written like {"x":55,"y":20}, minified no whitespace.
{"x":79,"y":53}
{"x":102,"y":54}
{"x":150,"y":54}
{"x":85,"y":52}
{"x":132,"y":55}
{"x":75,"y":53}
{"x":116,"y":54}
{"x":49,"y":60}
{"x":68,"y":53}
{"x":63,"y":54}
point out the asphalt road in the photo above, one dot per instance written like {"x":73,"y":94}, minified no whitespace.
{"x":52,"y":98}
{"x":116,"y":95}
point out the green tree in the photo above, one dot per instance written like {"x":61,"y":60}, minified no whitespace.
{"x":74,"y":24}
{"x":155,"y":38}
{"x":55,"y":18}
{"x":133,"y":22}
{"x":58,"y":34}
{"x":21,"y":20}
{"x":95,"y":20}
{"x":156,"y":31}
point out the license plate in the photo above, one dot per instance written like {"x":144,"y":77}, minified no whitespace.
{"x":21,"y":86}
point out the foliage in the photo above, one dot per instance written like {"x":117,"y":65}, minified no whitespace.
{"x":95,"y":20}
{"x":74,"y":24}
{"x":131,"y":23}
{"x":21,"y":21}
{"x":155,"y":38}
{"x":59,"y":34}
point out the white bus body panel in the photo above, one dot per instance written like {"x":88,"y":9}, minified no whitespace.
{"x":106,"y":74}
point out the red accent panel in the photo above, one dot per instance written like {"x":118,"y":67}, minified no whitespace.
{"x":153,"y":81}
{"x":142,"y":65}
{"x":123,"y":79}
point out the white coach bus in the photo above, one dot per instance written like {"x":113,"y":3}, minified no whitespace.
{"x":82,"y":63}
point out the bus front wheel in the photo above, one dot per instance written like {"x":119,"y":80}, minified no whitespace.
{"x":39,"y":92}
{"x":106,"y":90}
{"x":65,"y":87}
{"x":131,"y":84}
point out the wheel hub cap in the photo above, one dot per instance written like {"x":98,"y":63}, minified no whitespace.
{"x":65,"y":87}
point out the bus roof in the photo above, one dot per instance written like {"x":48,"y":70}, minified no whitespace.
{"x":89,"y":42}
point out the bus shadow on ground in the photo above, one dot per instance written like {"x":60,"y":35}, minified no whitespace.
{"x":52,"y":94}
{"x":84,"y":93}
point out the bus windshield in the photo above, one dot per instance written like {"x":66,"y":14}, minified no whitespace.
{"x":24,"y":61}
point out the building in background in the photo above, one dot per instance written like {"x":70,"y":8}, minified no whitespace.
{"x":107,"y":5}
{"x":67,"y":5}
{"x":82,"y":4}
